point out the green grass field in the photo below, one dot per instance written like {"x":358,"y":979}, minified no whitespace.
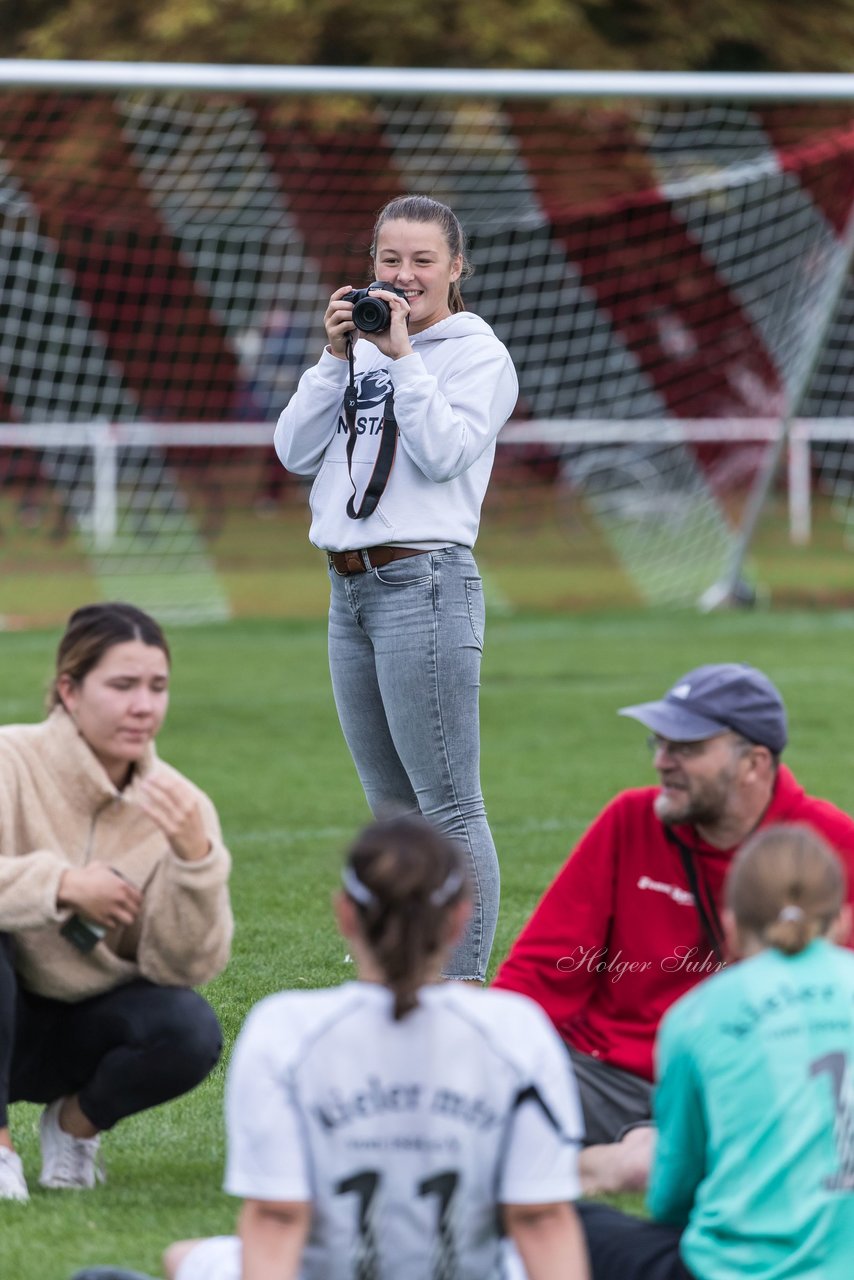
{"x":539,"y":549}
{"x":252,"y":720}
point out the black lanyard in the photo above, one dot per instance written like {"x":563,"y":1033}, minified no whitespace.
{"x":385,"y":453}
{"x":707,"y":908}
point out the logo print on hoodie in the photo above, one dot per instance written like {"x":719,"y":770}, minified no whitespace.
{"x":372,"y":390}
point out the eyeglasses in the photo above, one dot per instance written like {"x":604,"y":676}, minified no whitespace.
{"x":677,"y":750}
{"x":691,"y":750}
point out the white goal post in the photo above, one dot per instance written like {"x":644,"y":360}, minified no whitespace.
{"x":666,"y":255}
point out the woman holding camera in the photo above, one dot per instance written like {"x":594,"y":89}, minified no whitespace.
{"x":397,"y":422}
{"x":113,"y":902}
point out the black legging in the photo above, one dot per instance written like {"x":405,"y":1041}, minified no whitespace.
{"x":622,"y":1247}
{"x":128,"y":1049}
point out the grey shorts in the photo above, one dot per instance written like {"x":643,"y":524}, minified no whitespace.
{"x":612,"y":1100}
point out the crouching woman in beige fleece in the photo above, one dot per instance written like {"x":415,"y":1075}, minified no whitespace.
{"x":113,"y":903}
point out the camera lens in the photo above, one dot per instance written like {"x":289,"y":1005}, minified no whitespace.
{"x":371,"y":315}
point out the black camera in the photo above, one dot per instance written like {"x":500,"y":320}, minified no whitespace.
{"x":370,"y":314}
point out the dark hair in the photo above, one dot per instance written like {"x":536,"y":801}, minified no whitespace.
{"x":786,"y":886}
{"x":413,"y":208}
{"x":94,"y":629}
{"x":745,"y":744}
{"x":404,"y":877}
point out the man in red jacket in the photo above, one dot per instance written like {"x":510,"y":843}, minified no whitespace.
{"x":631,"y":921}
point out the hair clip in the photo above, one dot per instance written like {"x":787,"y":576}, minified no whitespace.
{"x":791,"y":912}
{"x":446,"y":891}
{"x":356,"y":890}
{"x":360,"y":893}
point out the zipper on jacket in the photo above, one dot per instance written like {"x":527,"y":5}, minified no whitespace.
{"x":90,"y":840}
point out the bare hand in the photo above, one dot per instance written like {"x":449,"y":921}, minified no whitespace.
{"x":393,"y":341}
{"x":171,"y":803}
{"x":100,"y":894}
{"x":338,"y":322}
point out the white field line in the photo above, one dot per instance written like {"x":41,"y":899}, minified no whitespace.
{"x":300,"y":835}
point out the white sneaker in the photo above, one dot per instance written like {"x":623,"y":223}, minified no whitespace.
{"x":67,"y":1161}
{"x":13,"y":1184}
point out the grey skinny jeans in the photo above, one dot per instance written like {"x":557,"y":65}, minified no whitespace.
{"x":405,"y":647}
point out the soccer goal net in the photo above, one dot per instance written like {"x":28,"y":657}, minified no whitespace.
{"x":667,"y":258}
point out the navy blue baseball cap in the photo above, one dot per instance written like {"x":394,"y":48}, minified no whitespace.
{"x":716,"y":698}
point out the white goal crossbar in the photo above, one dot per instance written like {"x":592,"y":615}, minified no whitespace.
{"x":416,"y":82}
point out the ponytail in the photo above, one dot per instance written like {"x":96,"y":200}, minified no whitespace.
{"x":404,"y":878}
{"x":786,"y":886}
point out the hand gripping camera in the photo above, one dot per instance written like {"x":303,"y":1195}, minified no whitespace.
{"x":370,"y":314}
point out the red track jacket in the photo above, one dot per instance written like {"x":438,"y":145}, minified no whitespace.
{"x":616,"y":938}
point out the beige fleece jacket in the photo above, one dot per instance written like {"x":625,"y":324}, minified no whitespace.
{"x":58,"y":809}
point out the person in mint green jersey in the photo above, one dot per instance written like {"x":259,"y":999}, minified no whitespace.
{"x":754,"y":1167}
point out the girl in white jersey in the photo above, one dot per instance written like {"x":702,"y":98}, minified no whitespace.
{"x":384,"y":1129}
{"x":397,"y":425}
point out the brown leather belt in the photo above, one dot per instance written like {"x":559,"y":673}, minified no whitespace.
{"x":347,"y":562}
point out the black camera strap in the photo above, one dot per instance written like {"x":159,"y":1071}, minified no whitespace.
{"x":707,"y":908}
{"x":385,"y":453}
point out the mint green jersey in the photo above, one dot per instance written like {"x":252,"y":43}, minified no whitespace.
{"x":755,"y":1111}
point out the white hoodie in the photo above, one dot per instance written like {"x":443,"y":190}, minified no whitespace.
{"x":451,"y":398}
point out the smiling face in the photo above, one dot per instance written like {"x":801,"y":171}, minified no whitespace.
{"x":415,"y":257}
{"x":120,"y":704}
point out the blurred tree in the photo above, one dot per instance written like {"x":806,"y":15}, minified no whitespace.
{"x":255,"y":31}
{"x":452,"y":33}
{"x":737,"y":35}
{"x":755,"y":35}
